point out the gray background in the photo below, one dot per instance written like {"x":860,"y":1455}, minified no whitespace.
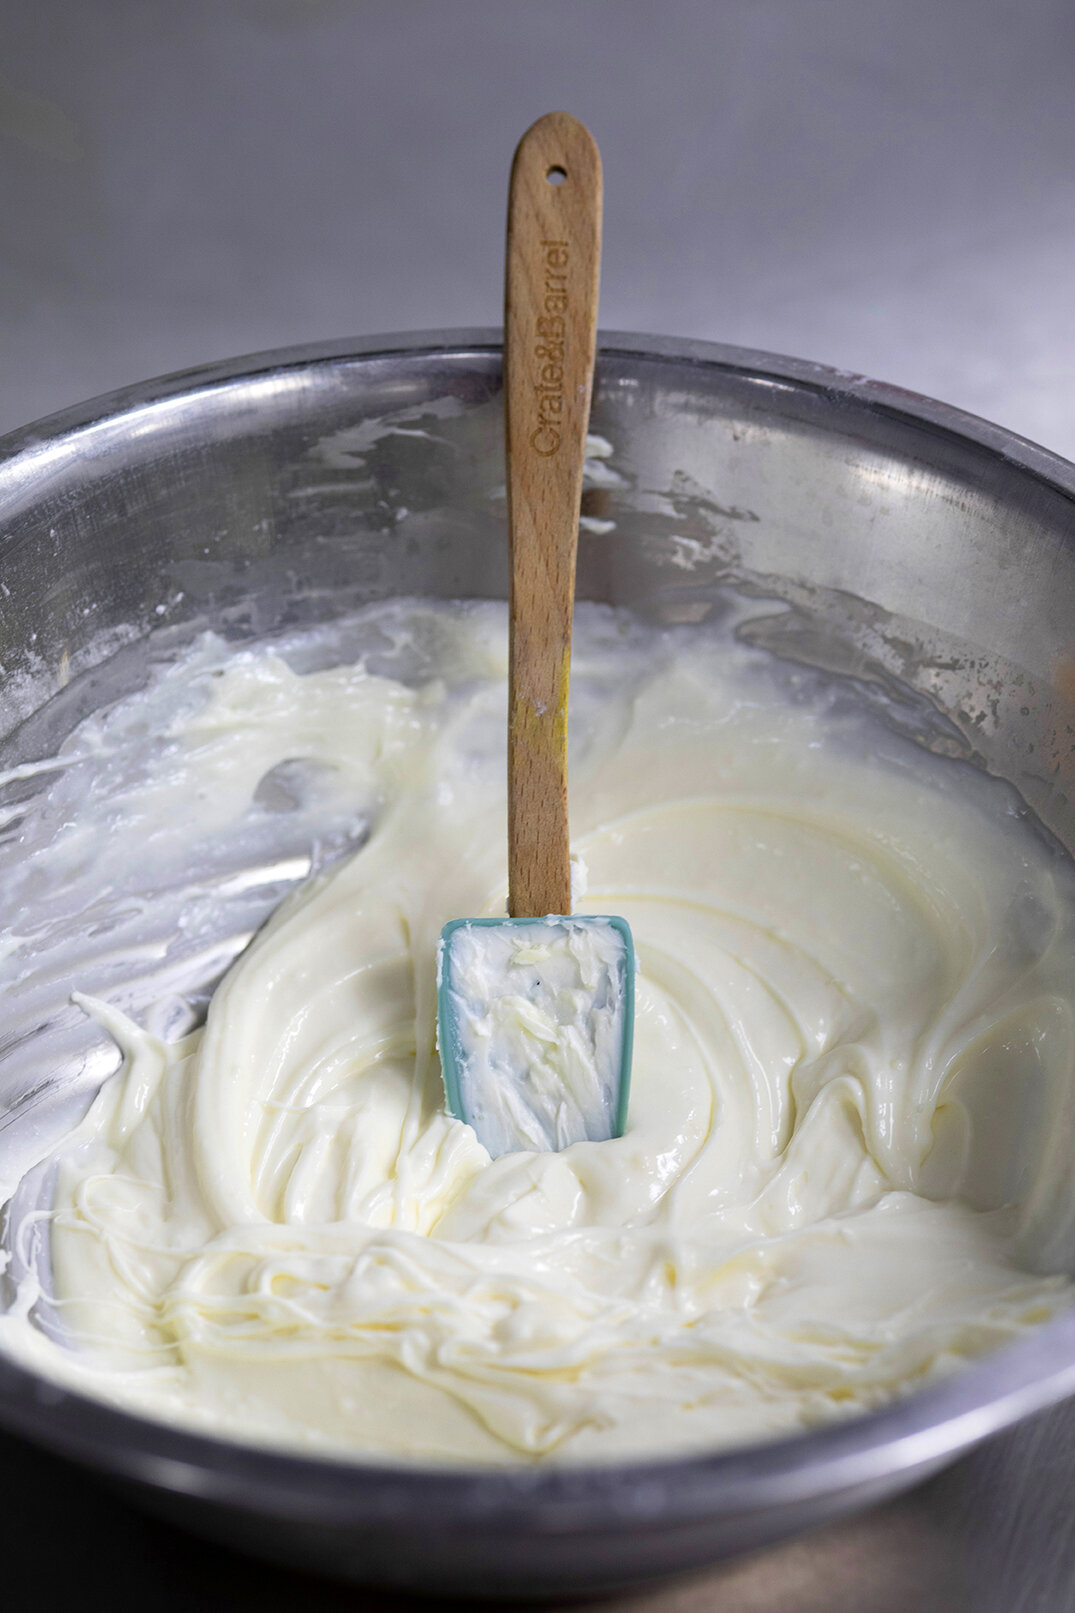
{"x":888,"y":187}
{"x":885,"y":187}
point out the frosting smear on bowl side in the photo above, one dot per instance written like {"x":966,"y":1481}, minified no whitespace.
{"x":847,"y":1160}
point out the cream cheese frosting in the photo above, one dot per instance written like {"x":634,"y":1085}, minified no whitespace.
{"x":846,"y":1166}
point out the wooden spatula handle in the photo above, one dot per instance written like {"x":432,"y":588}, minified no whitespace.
{"x":550,"y":324}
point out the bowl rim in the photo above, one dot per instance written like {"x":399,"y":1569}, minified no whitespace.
{"x":753,"y":363}
{"x":919,"y":1430}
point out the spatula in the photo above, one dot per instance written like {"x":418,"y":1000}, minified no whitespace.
{"x":535,"y":1012}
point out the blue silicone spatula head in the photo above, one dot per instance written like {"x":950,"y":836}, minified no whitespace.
{"x":535,"y":1013}
{"x":536,"y":1025}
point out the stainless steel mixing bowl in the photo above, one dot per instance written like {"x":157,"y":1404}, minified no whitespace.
{"x":924,"y":556}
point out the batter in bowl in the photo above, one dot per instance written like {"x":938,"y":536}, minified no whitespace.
{"x":847,"y":1164}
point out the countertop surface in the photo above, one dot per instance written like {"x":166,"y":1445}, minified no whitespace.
{"x":887,"y":187}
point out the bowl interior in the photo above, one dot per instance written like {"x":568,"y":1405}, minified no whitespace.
{"x":926,"y":557}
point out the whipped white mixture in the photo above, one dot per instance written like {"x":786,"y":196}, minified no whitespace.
{"x":847,"y":1161}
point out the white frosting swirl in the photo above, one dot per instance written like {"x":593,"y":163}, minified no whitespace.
{"x":849,"y":1141}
